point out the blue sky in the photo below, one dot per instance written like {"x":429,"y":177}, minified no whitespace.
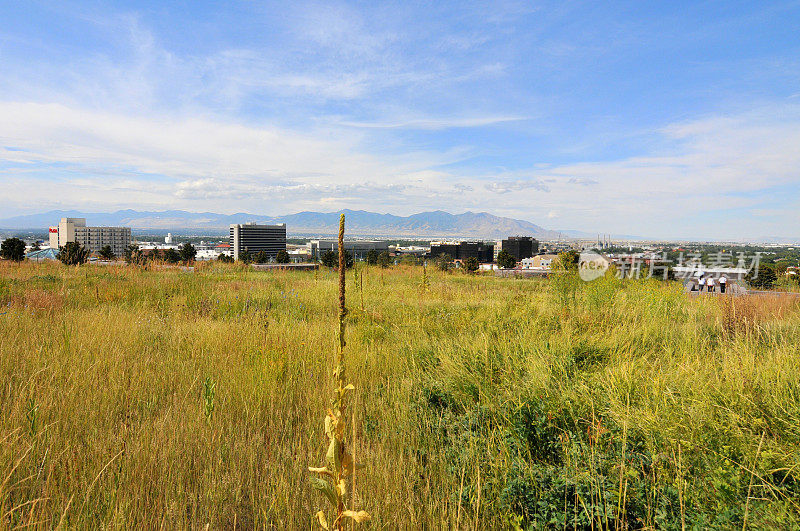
{"x":671,"y":120}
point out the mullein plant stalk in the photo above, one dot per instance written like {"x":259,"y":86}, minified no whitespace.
{"x":330,"y":479}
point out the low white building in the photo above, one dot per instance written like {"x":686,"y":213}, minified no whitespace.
{"x":540,"y":261}
{"x":207,"y":254}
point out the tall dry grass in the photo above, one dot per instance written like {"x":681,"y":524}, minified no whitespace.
{"x":483,"y":402}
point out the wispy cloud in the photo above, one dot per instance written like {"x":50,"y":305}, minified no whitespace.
{"x":504,"y":187}
{"x":583,"y":181}
{"x":437,"y":123}
{"x":190,"y":146}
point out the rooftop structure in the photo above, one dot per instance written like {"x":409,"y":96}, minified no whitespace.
{"x":224,"y":248}
{"x":43,"y":254}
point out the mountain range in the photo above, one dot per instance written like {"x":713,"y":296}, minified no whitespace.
{"x":435,"y":224}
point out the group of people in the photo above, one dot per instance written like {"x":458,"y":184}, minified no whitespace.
{"x":710,"y":283}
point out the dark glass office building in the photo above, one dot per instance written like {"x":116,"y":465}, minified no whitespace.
{"x":520,"y":246}
{"x":484,"y":252}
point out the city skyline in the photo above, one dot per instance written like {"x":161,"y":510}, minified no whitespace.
{"x":671,"y":121}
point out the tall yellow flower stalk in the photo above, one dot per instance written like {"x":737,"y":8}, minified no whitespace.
{"x":331,"y":478}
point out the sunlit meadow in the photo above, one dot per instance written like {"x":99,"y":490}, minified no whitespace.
{"x":159,"y":398}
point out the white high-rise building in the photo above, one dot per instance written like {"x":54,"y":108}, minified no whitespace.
{"x":255,"y":238}
{"x":93,"y":238}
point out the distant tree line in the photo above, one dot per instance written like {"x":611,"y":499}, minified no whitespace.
{"x":262,"y":257}
{"x":186,"y":253}
{"x":13,"y":249}
{"x":373,"y":257}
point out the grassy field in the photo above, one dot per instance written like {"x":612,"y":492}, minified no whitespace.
{"x":135,"y":398}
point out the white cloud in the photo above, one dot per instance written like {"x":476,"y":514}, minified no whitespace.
{"x":707,"y":165}
{"x":193,"y":162}
{"x":504,"y":187}
{"x":436,"y":123}
{"x":583,"y":181}
{"x":177,"y":148}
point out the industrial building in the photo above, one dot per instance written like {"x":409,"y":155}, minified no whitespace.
{"x":484,"y":252}
{"x":520,"y":247}
{"x":256,"y":238}
{"x":92,"y":238}
{"x":357,"y":248}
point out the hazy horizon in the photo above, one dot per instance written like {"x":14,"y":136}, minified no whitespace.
{"x":173,"y":224}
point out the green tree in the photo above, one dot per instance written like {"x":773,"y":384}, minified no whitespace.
{"x":261,"y":257}
{"x":37,"y":246}
{"x":348,"y":259}
{"x":13,"y":249}
{"x":188,"y":252}
{"x":384,"y":259}
{"x":444,"y":262}
{"x":245,"y":256}
{"x":106,"y":253}
{"x":471,"y":264}
{"x":372,"y":257}
{"x":129,"y":252}
{"x":171,"y":256}
{"x":134,"y":255}
{"x":568,"y":260}
{"x":329,"y":259}
{"x":73,"y":253}
{"x":763,"y":278}
{"x":505,"y":260}
{"x":282,"y":257}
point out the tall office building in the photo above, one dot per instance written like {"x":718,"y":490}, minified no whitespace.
{"x":92,"y":238}
{"x":520,"y":246}
{"x":256,"y":238}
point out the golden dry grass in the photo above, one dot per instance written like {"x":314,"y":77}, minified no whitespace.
{"x":481,"y":402}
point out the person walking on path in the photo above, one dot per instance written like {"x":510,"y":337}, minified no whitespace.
{"x":711,"y":285}
{"x":701,"y":283}
{"x":723,"y":283}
